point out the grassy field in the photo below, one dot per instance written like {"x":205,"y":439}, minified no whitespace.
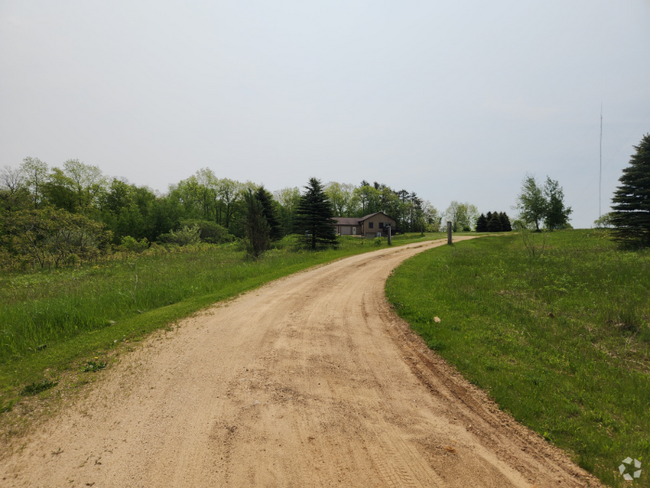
{"x":556,"y":327}
{"x":52,"y":322}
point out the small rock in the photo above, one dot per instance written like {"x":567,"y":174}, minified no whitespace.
{"x":256,"y":402}
{"x":437,"y":320}
{"x":550,"y":314}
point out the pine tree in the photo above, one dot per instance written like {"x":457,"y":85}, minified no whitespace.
{"x":314,"y":217}
{"x":481,"y":224}
{"x":270,"y":212}
{"x":256,"y":226}
{"x":494,"y":224}
{"x":631,"y":215}
{"x":489,"y":216}
{"x":505,"y":222}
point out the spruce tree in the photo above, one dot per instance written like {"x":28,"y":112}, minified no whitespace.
{"x":481,"y":224}
{"x":314,"y":217}
{"x":270,"y":212}
{"x":494,"y":224}
{"x":489,"y":216}
{"x":505,"y":222}
{"x":631,"y":215}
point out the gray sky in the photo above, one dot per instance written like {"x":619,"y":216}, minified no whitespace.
{"x":453,"y":100}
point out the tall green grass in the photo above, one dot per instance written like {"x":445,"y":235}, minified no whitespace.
{"x":561,"y":340}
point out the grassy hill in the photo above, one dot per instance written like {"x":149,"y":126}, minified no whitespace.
{"x":556,"y":327}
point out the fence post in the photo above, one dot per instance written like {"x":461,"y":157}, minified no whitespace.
{"x":389,"y":235}
{"x":449,"y":233}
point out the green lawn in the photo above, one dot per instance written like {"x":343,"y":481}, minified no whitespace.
{"x":561,"y":340}
{"x":55,"y":321}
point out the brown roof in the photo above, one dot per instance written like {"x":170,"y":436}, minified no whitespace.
{"x":346,"y":220}
{"x":357,"y":221}
{"x":373,"y":214}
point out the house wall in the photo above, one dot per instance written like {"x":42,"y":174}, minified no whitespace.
{"x":347,"y":230}
{"x":376,"y":220}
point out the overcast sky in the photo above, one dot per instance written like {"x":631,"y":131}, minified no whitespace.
{"x":454,"y":100}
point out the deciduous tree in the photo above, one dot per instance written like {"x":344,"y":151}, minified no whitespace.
{"x":531,"y":202}
{"x":557,"y":214}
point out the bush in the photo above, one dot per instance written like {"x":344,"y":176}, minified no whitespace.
{"x":377,"y":241}
{"x":183,"y":237}
{"x":51,"y":237}
{"x":130,"y":244}
{"x":520,"y":225}
{"x":604,"y":221}
{"x":210,"y":232}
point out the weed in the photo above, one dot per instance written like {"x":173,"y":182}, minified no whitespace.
{"x":8,"y":406}
{"x":36,"y":388}
{"x":93,"y":366}
{"x":534,"y":242}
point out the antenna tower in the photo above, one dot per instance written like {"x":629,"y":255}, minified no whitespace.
{"x":600,"y":177}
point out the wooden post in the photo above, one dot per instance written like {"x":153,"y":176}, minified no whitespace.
{"x":449,"y":233}
{"x":389,"y":235}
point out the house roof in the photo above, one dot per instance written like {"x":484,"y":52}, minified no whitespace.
{"x":373,"y":214}
{"x":346,"y":220}
{"x":357,"y":221}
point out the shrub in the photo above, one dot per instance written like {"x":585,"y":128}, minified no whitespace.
{"x":209,"y":231}
{"x":183,"y":237}
{"x":52,"y":237}
{"x":130,"y":244}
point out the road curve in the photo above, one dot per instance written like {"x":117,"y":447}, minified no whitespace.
{"x":308,"y":381}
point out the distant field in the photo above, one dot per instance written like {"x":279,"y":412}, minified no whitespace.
{"x":55,"y":320}
{"x":561,"y":340}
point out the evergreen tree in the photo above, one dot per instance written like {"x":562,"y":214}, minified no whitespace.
{"x":481,"y":223}
{"x":488,"y":216}
{"x":314,"y":217}
{"x":631,"y":215}
{"x":494,"y":224}
{"x":255,"y":224}
{"x":270,"y":212}
{"x":505,"y":222}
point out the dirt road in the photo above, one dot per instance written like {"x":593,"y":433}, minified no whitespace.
{"x":308,"y":381}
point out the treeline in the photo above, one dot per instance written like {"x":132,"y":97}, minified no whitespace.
{"x":493,"y":222}
{"x":57,"y":215}
{"x":62,"y":215}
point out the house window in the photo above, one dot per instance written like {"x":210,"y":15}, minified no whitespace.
{"x":371,"y":225}
{"x":381,"y":225}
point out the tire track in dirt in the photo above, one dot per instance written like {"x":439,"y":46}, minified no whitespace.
{"x":308,"y":381}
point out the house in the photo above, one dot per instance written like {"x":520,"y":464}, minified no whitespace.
{"x":373,"y":225}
